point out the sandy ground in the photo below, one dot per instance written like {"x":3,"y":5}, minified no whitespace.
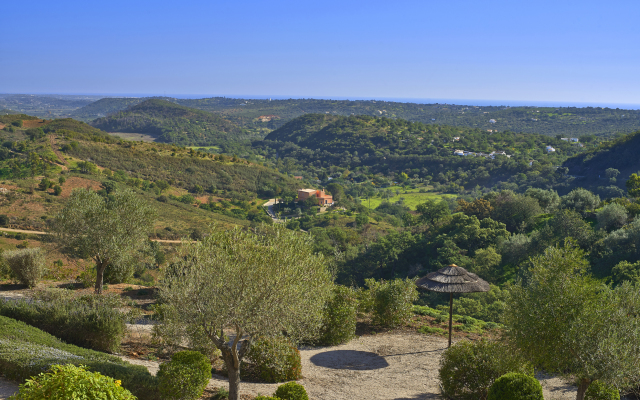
{"x":399,"y":366}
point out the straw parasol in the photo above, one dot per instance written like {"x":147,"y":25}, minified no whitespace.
{"x":452,"y":279}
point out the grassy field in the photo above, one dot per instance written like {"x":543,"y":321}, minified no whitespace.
{"x":412,"y":197}
{"x":205,"y":148}
{"x":136,"y":137}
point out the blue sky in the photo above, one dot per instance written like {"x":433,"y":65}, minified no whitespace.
{"x":565,"y":51}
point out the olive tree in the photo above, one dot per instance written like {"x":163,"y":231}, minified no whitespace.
{"x":569,"y":323}
{"x":612,"y":216}
{"x":110,"y":231}
{"x":259,"y":283}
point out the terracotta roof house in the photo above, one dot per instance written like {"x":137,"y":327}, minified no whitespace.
{"x":323,"y":198}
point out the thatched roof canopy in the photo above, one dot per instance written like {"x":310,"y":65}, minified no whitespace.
{"x":453,"y":279}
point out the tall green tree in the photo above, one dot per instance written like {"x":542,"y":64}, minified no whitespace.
{"x":110,"y":231}
{"x":256,"y":283}
{"x":571,"y":324}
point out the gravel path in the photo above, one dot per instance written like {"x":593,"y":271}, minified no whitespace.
{"x":7,"y":388}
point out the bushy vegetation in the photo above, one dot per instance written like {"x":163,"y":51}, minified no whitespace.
{"x":276,"y":359}
{"x":184,"y":377}
{"x":27,"y":265}
{"x":339,"y":318}
{"x":515,"y":386}
{"x":26,"y":351}
{"x":291,"y":391}
{"x":392,"y":301}
{"x":468,"y":369}
{"x":72,"y":382}
{"x":601,"y":391}
{"x":91,"y":321}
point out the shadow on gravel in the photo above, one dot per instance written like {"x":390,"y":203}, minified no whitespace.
{"x":349,"y":359}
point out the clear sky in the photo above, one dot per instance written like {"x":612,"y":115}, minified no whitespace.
{"x":569,"y":51}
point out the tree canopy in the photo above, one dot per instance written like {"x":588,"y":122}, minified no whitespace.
{"x":257,"y":283}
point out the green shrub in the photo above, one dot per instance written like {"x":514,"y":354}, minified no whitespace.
{"x":26,"y":351}
{"x":276,"y":359}
{"x":515,"y":386}
{"x":91,"y":321}
{"x":392,"y":301}
{"x":291,"y":391}
{"x":428,"y":330}
{"x":184,"y":377}
{"x":468,"y":369}
{"x":57,"y":190}
{"x":27,"y":265}
{"x":339,"y":317}
{"x":601,"y":391}
{"x":71,"y":382}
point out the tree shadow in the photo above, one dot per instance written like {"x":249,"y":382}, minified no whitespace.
{"x":349,"y":359}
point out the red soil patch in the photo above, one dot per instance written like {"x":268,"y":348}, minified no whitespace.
{"x":77,"y":182}
{"x":2,"y":126}
{"x":32,"y":123}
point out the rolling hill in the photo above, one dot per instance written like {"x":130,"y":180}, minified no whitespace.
{"x":272,"y":114}
{"x":387,"y":146}
{"x":172,"y":123}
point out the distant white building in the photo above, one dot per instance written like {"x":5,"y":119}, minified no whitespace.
{"x":493,"y":121}
{"x":550,"y":149}
{"x":574,"y":139}
{"x":456,"y":138}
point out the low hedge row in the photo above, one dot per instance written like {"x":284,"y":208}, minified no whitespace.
{"x":26,"y":351}
{"x":469,"y":324}
{"x":90,"y":321}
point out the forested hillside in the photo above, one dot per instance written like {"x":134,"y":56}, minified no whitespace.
{"x":369,"y":145}
{"x":173,"y":123}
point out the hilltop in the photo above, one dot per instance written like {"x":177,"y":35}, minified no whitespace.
{"x":272,"y":114}
{"x":172,"y":123}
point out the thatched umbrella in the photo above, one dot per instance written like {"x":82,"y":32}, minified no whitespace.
{"x":452,"y":279}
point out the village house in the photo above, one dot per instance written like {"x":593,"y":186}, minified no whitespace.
{"x":550,"y":149}
{"x":323,"y":198}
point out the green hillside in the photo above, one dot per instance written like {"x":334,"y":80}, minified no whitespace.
{"x":369,"y":145}
{"x":590,"y":168}
{"x":173,"y":123}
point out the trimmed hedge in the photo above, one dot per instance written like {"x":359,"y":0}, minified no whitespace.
{"x":184,"y":377}
{"x":291,"y":391}
{"x":26,"y":351}
{"x":71,"y":382}
{"x":392,"y":301}
{"x":515,"y":386}
{"x":89,"y":321}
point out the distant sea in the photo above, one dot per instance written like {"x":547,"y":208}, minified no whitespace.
{"x":466,"y":102}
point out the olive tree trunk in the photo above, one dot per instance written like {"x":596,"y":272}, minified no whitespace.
{"x":232,"y":356}
{"x":100,"y":268}
{"x":582,"y":388}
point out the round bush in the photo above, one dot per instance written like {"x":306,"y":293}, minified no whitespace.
{"x":468,"y":369}
{"x":392,"y":301}
{"x":72,"y":382}
{"x":515,"y":386}
{"x":184,"y":377}
{"x":276,"y":359}
{"x":291,"y":391}
{"x":601,"y":391}
{"x":339,"y":317}
{"x":27,"y":265}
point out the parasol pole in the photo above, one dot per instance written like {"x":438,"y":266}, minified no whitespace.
{"x":450,"y":315}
